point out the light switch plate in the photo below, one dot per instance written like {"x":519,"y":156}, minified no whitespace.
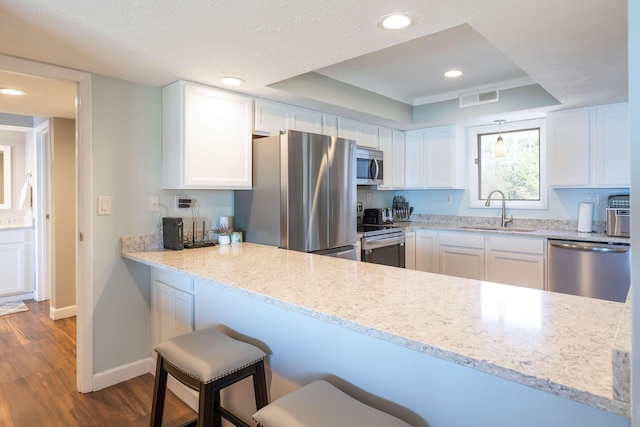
{"x":104,"y":205}
{"x":154,"y":204}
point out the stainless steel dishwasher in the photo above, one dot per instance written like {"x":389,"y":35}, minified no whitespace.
{"x":591,"y":269}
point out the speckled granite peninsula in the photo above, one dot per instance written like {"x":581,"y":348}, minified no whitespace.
{"x":558,"y":346}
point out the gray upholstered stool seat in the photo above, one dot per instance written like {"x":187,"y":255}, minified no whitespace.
{"x":207,"y":361}
{"x":320,"y":404}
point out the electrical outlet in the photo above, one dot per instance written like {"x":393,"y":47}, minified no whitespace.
{"x":369,"y":197}
{"x":449,"y":198}
{"x":360,"y":207}
{"x":180,"y":207}
{"x":154,"y":204}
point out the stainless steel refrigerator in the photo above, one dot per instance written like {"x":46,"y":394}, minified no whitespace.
{"x":303,"y":196}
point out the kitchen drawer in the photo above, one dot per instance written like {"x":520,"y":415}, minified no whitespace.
{"x":469,"y":240}
{"x":523,"y":245}
{"x":15,"y":236}
{"x":175,"y":280}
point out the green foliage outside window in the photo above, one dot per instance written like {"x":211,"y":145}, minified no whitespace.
{"x":518,"y":172}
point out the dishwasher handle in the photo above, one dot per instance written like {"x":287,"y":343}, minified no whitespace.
{"x":589,"y":247}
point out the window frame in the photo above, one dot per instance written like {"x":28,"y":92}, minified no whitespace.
{"x":473,"y":171}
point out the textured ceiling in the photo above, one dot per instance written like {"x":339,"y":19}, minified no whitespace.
{"x":575,"y":49}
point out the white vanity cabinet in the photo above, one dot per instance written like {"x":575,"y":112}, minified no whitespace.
{"x":410,"y":250}
{"x":461,"y":255}
{"x":515,"y":261}
{"x":589,"y":147}
{"x":206,"y":138}
{"x":427,"y":251}
{"x":273,"y":117}
{"x":16,"y":262}
{"x":172,"y":305}
{"x":434,"y":158}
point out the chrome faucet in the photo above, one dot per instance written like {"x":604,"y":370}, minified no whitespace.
{"x":503,"y":217}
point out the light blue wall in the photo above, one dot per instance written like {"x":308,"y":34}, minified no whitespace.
{"x":127,"y":166}
{"x":563,"y":203}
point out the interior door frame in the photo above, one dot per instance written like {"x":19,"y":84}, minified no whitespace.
{"x":84,"y":195}
{"x":42,"y":212}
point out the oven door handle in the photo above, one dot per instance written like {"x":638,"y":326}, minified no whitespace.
{"x":381,"y":243}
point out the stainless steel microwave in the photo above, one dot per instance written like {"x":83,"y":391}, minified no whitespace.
{"x":369,"y":166}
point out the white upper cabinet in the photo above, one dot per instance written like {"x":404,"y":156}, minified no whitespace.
{"x":206,"y":138}
{"x":391,"y":142}
{"x":365,"y":134}
{"x":434,"y":158}
{"x":568,"y":160}
{"x":612,"y":145}
{"x":589,"y":147}
{"x":273,"y":117}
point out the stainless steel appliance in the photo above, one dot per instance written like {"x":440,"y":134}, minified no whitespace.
{"x":591,"y":269}
{"x":378,"y":216}
{"x":383,"y":244}
{"x":303,"y":196}
{"x":370,"y":170}
{"x":618,"y":216}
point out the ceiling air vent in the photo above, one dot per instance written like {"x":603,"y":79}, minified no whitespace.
{"x":477,"y":98}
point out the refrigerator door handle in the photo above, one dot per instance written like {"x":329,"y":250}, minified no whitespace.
{"x":588,"y":247}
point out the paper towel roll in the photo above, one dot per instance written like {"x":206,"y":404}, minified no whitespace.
{"x":226,"y":221}
{"x":585,"y":218}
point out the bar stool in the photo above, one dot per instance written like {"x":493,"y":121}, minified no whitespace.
{"x":208,"y":361}
{"x":320,"y":404}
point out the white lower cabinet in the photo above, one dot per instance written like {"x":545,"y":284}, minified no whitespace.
{"x":410,"y":250}
{"x":171,"y":305}
{"x":516,"y":261}
{"x":461,"y":255}
{"x":427,"y":251}
{"x":16,"y":262}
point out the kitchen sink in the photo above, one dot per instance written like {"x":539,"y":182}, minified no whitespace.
{"x":493,"y":228}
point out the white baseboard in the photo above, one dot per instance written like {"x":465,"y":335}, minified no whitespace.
{"x":62,"y":313}
{"x":141,"y":367}
{"x":122,"y":373}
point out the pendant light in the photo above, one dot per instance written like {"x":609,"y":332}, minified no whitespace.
{"x":499,"y":150}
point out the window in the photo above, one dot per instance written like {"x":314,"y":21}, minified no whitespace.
{"x":517,"y":168}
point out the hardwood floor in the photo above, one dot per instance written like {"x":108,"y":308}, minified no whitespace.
{"x":38,"y":380}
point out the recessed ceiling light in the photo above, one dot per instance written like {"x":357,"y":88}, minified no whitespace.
{"x":231,"y":81}
{"x":7,"y":91}
{"x":453,"y":73}
{"x":396,"y":21}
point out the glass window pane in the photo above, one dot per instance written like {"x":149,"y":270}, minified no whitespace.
{"x":517,"y":172}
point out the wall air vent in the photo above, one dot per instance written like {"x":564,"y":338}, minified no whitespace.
{"x":476,"y":98}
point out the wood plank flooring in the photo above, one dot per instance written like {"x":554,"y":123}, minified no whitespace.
{"x":38,"y":380}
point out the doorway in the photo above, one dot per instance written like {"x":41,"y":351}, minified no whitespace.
{"x":82,"y":207}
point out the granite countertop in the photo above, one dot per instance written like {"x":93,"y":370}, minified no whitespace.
{"x":561,"y":344}
{"x":514,"y":231}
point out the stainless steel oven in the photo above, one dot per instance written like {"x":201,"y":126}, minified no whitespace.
{"x":383,"y":245}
